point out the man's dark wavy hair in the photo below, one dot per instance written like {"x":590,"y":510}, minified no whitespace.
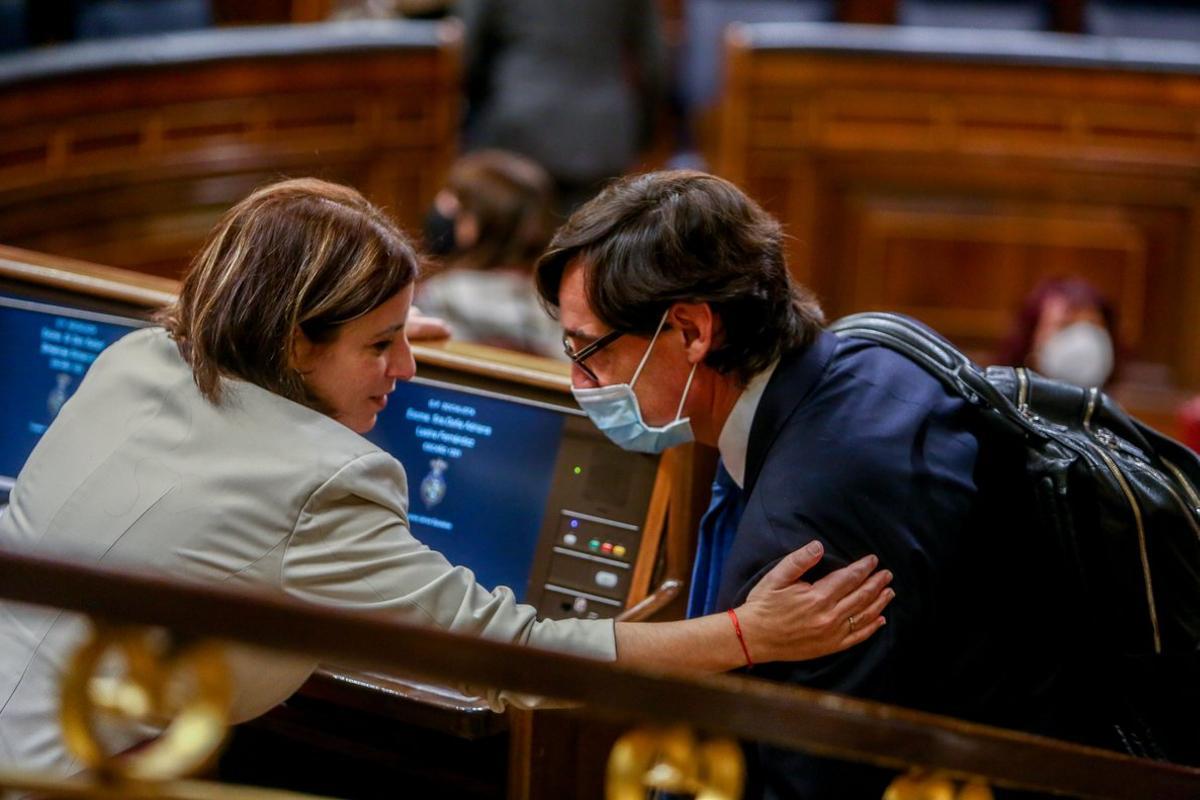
{"x":651,"y":240}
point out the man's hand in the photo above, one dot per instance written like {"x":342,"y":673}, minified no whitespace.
{"x":787,"y":619}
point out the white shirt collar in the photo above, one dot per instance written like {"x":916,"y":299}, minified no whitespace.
{"x":734,"y":440}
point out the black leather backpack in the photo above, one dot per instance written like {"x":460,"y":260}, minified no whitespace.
{"x":1117,"y":501}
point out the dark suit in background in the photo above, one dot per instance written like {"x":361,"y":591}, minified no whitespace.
{"x":572,"y":84}
{"x":856,"y":446}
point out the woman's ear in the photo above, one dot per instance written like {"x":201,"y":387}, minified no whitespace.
{"x":699,"y":327}
{"x":303,"y":352}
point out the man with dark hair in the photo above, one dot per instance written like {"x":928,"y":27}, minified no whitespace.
{"x":683,"y":323}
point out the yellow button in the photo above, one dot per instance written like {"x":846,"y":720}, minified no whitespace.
{"x":619,"y":551}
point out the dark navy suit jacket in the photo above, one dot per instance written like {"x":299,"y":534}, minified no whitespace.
{"x":856,"y":446}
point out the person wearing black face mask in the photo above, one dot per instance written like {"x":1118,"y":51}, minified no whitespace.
{"x":438,"y":234}
{"x":487,"y":226}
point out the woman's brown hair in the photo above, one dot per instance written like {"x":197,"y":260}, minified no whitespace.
{"x":511,"y":199}
{"x":301,"y":254}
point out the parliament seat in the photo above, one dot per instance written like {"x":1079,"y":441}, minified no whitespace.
{"x":126,"y":151}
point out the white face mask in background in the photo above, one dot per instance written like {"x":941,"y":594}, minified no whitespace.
{"x":615,"y":411}
{"x":1081,"y":353}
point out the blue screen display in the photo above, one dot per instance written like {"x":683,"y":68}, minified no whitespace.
{"x":479,"y":475}
{"x":479,"y":467}
{"x":44,"y":352}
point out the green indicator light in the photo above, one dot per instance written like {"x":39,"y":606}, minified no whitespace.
{"x":578,"y":470}
{"x":594,"y":544}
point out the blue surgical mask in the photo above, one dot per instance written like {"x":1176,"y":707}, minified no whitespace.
{"x":615,"y":411}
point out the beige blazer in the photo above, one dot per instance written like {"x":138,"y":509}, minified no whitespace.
{"x":140,"y":470}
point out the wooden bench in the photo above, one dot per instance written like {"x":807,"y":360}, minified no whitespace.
{"x":125,"y":152}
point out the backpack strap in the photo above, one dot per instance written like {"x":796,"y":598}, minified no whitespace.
{"x":963,"y":377}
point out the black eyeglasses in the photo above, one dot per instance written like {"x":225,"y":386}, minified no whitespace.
{"x":578,"y":357}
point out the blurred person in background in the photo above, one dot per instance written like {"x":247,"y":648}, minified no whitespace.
{"x":574,"y":86}
{"x":1065,"y":330}
{"x":491,"y":222}
{"x":1188,"y":420}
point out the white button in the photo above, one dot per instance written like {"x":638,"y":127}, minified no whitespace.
{"x":569,"y":538}
{"x":580,"y":605}
{"x":606,"y":579}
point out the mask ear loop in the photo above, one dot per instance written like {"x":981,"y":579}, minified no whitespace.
{"x":646,"y":357}
{"x":637,"y":373}
{"x":686,"y":388}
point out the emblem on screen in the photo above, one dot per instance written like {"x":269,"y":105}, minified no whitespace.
{"x":58,"y":395}
{"x":433,"y":488}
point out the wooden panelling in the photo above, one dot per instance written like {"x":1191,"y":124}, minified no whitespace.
{"x":947,"y":188}
{"x":131,"y":167}
{"x":963,"y":272}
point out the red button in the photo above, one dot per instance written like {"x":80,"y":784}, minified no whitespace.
{"x":606,"y":547}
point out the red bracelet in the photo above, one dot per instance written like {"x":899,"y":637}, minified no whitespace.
{"x":737,"y":628}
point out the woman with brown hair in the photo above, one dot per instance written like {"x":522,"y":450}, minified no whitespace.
{"x":225,"y":447}
{"x":497,"y":212}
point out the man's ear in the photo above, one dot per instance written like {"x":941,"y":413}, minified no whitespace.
{"x":700,"y":327}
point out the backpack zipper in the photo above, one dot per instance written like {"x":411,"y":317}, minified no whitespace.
{"x":1137,"y":515}
{"x":1191,"y":493}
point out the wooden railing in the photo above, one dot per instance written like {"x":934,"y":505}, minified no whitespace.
{"x":785,"y":716}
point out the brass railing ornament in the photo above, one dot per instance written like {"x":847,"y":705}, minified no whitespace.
{"x":920,"y":784}
{"x":182,"y":684}
{"x":672,"y":760}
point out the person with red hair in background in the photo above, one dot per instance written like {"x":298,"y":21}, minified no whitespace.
{"x":1189,"y":423}
{"x":1065,"y":330}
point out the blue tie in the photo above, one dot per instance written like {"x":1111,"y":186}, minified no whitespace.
{"x":718,"y":527}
